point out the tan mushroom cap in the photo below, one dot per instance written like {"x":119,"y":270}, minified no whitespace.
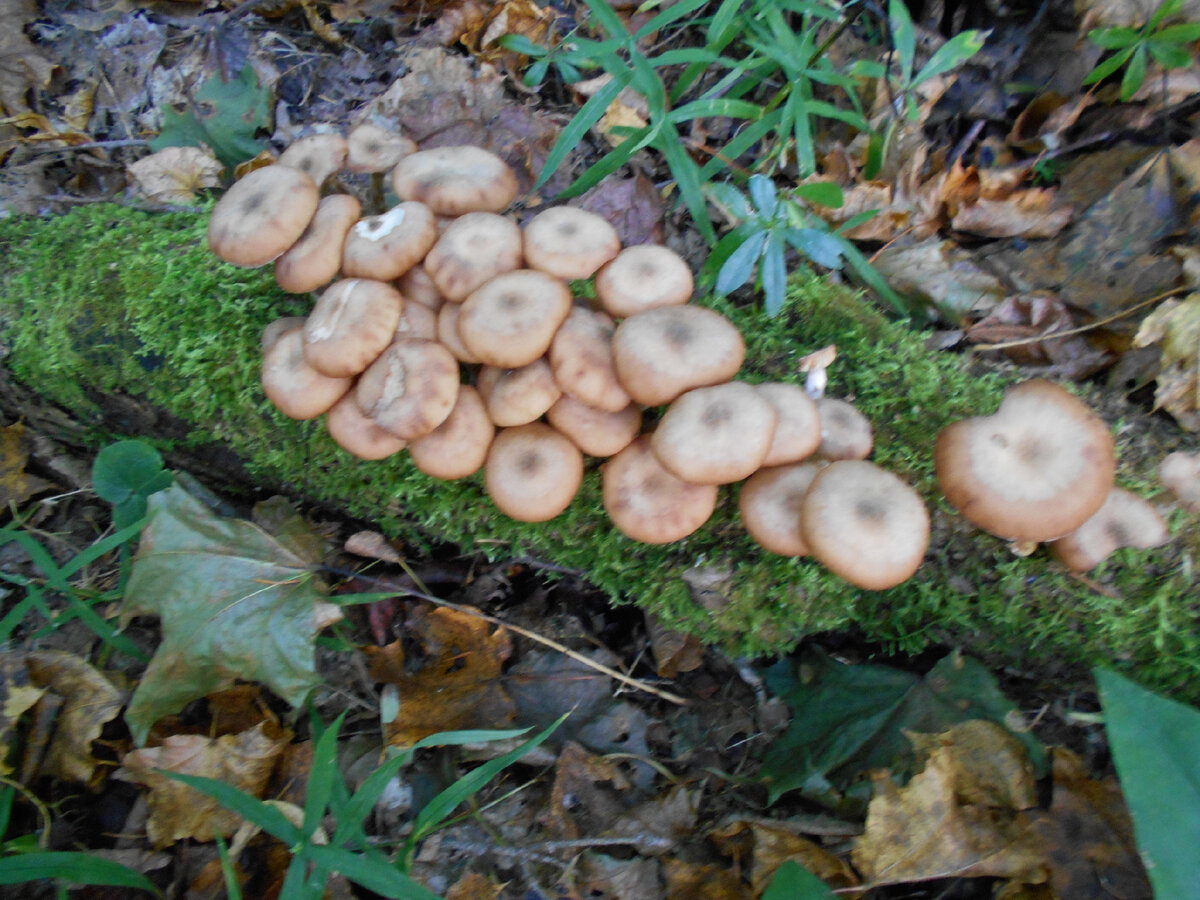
{"x":374,"y":149}
{"x":663,"y":352}
{"x":410,"y":389}
{"x":417,"y":321}
{"x":569,"y":242}
{"x":455,"y":180}
{"x":1179,"y":473}
{"x":459,"y":446}
{"x":582,"y":358}
{"x":596,"y":432}
{"x":1034,"y":471}
{"x":532,"y":472}
{"x":865,"y":524}
{"x":416,"y":285}
{"x":473,"y":249}
{"x":845,"y":432}
{"x":262,"y":215}
{"x":351,"y":323}
{"x":357,"y":433}
{"x":1124,"y":520}
{"x":447,"y":333}
{"x":647,"y":503}
{"x":318,"y":155}
{"x":517,"y":396}
{"x":275,"y":329}
{"x":771,"y":503}
{"x":511,"y":320}
{"x":798,"y":428}
{"x":642,"y":277}
{"x":295,"y":388}
{"x":386,"y":246}
{"x":715,"y":435}
{"x":314,"y":260}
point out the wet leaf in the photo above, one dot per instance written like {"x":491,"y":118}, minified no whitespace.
{"x":16,"y":485}
{"x":174,"y":175}
{"x":633,"y":206}
{"x":1175,"y":327}
{"x":224,"y":116}
{"x":235,"y":602}
{"x":794,"y":882}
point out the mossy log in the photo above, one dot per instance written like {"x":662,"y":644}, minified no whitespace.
{"x":123,"y":324}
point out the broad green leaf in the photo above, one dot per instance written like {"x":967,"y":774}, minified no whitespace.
{"x":727,"y":195}
{"x":1135,"y":74}
{"x":951,"y":54}
{"x":1165,"y":10}
{"x":1182,"y":34}
{"x":1155,"y":745}
{"x":792,"y":881}
{"x":1108,"y":66}
{"x":1170,"y":55}
{"x":72,"y":868}
{"x":762,"y":193}
{"x":824,"y":193}
{"x":904,"y":38}
{"x":224,"y":115}
{"x":1113,"y":38}
{"x":125,"y":474}
{"x":235,"y":601}
{"x":739,"y":267}
{"x":821,"y":247}
{"x":774,"y":275}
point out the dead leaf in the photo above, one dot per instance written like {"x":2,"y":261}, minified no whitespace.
{"x":17,"y":695}
{"x":16,"y":485}
{"x":22,"y":66}
{"x":589,"y":794}
{"x":674,"y":651}
{"x":763,"y":848}
{"x":474,"y":886}
{"x":943,"y":274}
{"x":659,"y":825}
{"x":1175,"y":326}
{"x":1107,"y":13}
{"x":618,"y":879}
{"x":521,"y":17}
{"x":174,"y":175}
{"x":457,"y":684}
{"x":1028,"y":317}
{"x":89,"y":702}
{"x":633,"y":206}
{"x":688,"y":881}
{"x":1031,"y":213}
{"x":178,"y":812}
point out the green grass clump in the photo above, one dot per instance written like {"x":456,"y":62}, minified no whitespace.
{"x":108,"y":301}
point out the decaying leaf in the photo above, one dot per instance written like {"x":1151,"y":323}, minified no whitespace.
{"x":689,"y":881}
{"x":22,"y":66}
{"x":177,"y":811}
{"x":589,"y":794}
{"x":1106,"y":13}
{"x":633,"y":206}
{"x":524,"y":17}
{"x":474,"y":886}
{"x":235,"y":601}
{"x":1175,"y":326}
{"x":1031,"y":213}
{"x":16,"y":485}
{"x":1028,"y":317}
{"x":942,"y":274}
{"x":618,"y":879}
{"x":674,"y":652}
{"x":174,"y":174}
{"x":762,"y":848}
{"x":17,"y":695}
{"x":457,"y":684}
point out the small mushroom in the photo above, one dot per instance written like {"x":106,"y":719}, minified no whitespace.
{"x":357,"y":433}
{"x":596,"y":432}
{"x":518,"y":396}
{"x":262,"y":215}
{"x":647,"y":503}
{"x":532,"y":472}
{"x":416,"y":285}
{"x":459,"y":446}
{"x":771,"y":503}
{"x":864,"y":524}
{"x":569,"y":242}
{"x":410,"y":389}
{"x":643,"y":277}
{"x":845,"y":432}
{"x":318,"y":155}
{"x":351,"y":323}
{"x":582,"y":358}
{"x":1179,"y":473}
{"x":455,"y":180}
{"x":1124,"y":520}
{"x":663,"y":352}
{"x":295,"y":388}
{"x":473,"y":249}
{"x":1034,"y":471}
{"x":314,"y":260}
{"x":447,"y":333}
{"x":373,"y":149}
{"x":386,"y":246}
{"x":417,"y":321}
{"x":715,"y":435}
{"x":511,"y":320}
{"x":798,"y":428}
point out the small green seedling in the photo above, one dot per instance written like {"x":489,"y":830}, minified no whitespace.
{"x":1169,"y":45}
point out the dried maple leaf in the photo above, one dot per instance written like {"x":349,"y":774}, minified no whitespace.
{"x":174,"y":174}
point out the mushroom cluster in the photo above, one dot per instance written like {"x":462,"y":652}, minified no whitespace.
{"x":444,"y":327}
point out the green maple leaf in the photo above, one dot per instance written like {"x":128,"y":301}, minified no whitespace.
{"x":236,"y":603}
{"x":225,"y":116}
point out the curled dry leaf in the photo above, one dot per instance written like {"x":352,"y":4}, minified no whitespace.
{"x":174,"y":174}
{"x":763,"y":848}
{"x":17,"y":695}
{"x":1175,"y":327}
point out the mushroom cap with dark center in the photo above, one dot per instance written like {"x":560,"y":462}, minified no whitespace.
{"x":569,"y":242}
{"x":458,"y":447}
{"x":845,"y":432}
{"x":295,"y":388}
{"x":262,"y":215}
{"x":511,"y":320}
{"x":771,"y":503}
{"x":596,"y":432}
{"x":357,"y":433}
{"x":798,"y":429}
{"x":865,"y":524}
{"x":663,"y":352}
{"x":642,"y":277}
{"x":518,"y":396}
{"x":314,"y":260}
{"x":1124,"y":520}
{"x":1034,"y":471}
{"x":455,"y":180}
{"x":473,"y":249}
{"x":647,"y":503}
{"x":318,"y":155}
{"x":715,"y":435}
{"x":374,"y":149}
{"x":410,"y":389}
{"x":386,"y":246}
{"x":532,"y":472}
{"x":582,"y":358}
{"x":351,"y":323}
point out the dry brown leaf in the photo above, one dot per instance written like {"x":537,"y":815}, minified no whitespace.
{"x":17,"y":696}
{"x":943,"y":274}
{"x":177,"y":811}
{"x":89,"y":701}
{"x":22,"y":67}
{"x":458,"y":684}
{"x":1031,"y":213}
{"x":1027,"y":317}
{"x":659,"y":825}
{"x":522,"y":17}
{"x":16,"y":485}
{"x":770,"y":846}
{"x":1175,"y":326}
{"x":1107,"y":13}
{"x":633,"y":206}
{"x":174,"y":174}
{"x":674,"y":651}
{"x":587,"y":796}
{"x":618,"y":879}
{"x":688,"y":881}
{"x":473,"y":886}
{"x":931,"y":828}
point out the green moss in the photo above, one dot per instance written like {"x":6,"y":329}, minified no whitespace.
{"x":112,"y":301}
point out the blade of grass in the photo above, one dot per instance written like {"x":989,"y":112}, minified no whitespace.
{"x":589,"y":114}
{"x":372,"y":872}
{"x":253,"y":810}
{"x":74,"y":868}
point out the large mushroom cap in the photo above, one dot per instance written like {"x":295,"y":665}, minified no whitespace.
{"x":569,"y":242}
{"x":649,"y":504}
{"x":511,"y":320}
{"x":458,"y":447}
{"x":643,"y":277}
{"x":473,"y":249}
{"x":410,"y":389}
{"x":771,"y":504}
{"x":1033,"y":471}
{"x":1124,"y":520}
{"x":351,"y":323}
{"x":533,"y":472}
{"x":455,"y":180}
{"x":865,"y":524}
{"x":262,"y":215}
{"x":314,"y":260}
{"x":374,"y":149}
{"x":715,"y":435}
{"x":389,"y":244}
{"x":596,"y":432}
{"x":663,"y":352}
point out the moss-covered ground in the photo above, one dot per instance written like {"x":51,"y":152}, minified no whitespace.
{"x":109,"y":301}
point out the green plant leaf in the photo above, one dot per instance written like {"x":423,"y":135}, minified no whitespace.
{"x":1182,"y":34}
{"x":253,"y":810}
{"x":1113,"y":38}
{"x":588,"y":115}
{"x":224,"y":115}
{"x":739,"y":267}
{"x":1135,"y":73}
{"x":762,"y":194}
{"x":821,"y":247}
{"x":322,"y":776}
{"x":792,"y":881}
{"x":1169,"y":54}
{"x":1165,"y":10}
{"x":72,"y":868}
{"x":371,"y":871}
{"x":1156,"y":748}
{"x":1108,"y":66}
{"x":125,"y":474}
{"x":774,"y":275}
{"x":235,"y":603}
{"x":728,"y":196}
{"x":824,"y":193}
{"x":951,"y":54}
{"x":904,"y":38}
